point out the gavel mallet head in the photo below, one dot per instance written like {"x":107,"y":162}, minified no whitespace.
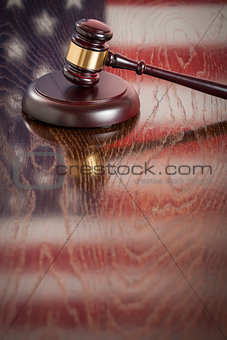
{"x":87,"y":52}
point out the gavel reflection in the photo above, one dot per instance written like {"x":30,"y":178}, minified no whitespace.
{"x":86,"y":152}
{"x":89,"y":52}
{"x":84,"y":149}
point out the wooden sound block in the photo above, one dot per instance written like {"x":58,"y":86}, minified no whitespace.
{"x":54,"y":99}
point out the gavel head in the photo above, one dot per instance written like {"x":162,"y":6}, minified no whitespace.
{"x":87,"y":52}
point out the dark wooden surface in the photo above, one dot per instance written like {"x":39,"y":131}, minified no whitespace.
{"x":115,"y":257}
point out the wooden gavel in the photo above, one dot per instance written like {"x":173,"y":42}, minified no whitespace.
{"x":88,"y":52}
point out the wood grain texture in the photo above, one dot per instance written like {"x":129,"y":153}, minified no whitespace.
{"x":112,"y":257}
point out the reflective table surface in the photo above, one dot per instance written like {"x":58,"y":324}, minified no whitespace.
{"x":115,"y":233}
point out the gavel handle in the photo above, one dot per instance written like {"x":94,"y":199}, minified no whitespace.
{"x":118,"y":61}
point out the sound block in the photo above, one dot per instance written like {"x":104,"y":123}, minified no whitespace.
{"x":55,"y":100}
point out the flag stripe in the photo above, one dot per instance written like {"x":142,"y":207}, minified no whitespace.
{"x":167,"y":25}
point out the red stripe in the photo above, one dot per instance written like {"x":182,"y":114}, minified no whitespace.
{"x":173,"y":58}
{"x":34,"y":260}
{"x":96,"y":312}
{"x":152,"y":137}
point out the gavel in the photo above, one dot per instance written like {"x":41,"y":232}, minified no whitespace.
{"x":89,"y":51}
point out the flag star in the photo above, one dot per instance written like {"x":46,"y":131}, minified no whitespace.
{"x":15,"y":48}
{"x":65,"y":48}
{"x":14,"y":101}
{"x":44,"y":23}
{"x":77,"y":3}
{"x":41,"y":70}
{"x":11,"y":3}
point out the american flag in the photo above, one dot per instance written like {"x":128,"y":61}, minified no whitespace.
{"x":96,"y":270}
